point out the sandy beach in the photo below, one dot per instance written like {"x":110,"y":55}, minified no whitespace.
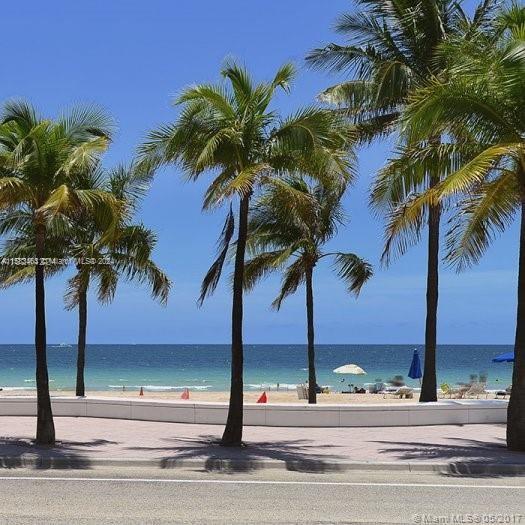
{"x":249,"y":397}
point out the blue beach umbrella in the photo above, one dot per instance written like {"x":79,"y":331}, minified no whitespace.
{"x":415,"y":367}
{"x":504,"y":358}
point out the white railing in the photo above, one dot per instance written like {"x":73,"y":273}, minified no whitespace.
{"x":445,"y":412}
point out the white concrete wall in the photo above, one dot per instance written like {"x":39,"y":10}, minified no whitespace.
{"x":445,"y":412}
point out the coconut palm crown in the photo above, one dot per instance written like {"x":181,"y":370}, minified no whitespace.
{"x":390,"y":49}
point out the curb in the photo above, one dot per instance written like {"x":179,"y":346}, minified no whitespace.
{"x":242,"y":465}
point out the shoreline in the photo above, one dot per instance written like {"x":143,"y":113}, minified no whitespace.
{"x":276,"y":397}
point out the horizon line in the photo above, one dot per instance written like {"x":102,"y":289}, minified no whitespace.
{"x":53,"y":343}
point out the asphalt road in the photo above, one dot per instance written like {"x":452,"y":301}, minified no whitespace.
{"x":138,"y":496}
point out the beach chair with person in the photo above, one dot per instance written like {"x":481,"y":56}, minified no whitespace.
{"x":476,"y":390}
{"x":504,"y":393}
{"x":447,"y":390}
{"x":400,"y":392}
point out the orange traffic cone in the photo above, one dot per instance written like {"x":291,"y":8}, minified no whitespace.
{"x":141,"y":393}
{"x":185,"y":394}
{"x":263,"y":398}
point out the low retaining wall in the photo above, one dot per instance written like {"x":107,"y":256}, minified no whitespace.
{"x":446,"y":412}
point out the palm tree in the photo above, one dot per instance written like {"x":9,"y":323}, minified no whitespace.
{"x":481,"y":103}
{"x":391,"y":49}
{"x":230,"y":128}
{"x":104,"y":260}
{"x":291,"y":239}
{"x":39,"y":162}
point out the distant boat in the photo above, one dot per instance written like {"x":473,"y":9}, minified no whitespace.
{"x":62,"y":345}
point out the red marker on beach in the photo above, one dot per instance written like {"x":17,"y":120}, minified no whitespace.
{"x":263,"y":398}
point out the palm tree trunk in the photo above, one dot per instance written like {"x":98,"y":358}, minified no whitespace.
{"x":312,"y":380}
{"x":516,"y":410}
{"x":81,"y":345}
{"x":45,"y":428}
{"x":429,"y":384}
{"x":232,"y":436}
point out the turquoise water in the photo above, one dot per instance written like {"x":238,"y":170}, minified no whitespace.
{"x":206,"y":367}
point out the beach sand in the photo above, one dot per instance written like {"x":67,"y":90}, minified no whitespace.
{"x":249,"y":397}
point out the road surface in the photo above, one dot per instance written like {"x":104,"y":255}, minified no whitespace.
{"x":136,"y":496}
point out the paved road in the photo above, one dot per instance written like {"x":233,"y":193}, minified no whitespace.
{"x":136,"y":496}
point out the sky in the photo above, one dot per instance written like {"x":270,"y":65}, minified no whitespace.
{"x":132,"y":57}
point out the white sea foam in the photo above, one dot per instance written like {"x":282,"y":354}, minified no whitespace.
{"x":162,"y":388}
{"x":271,"y":386}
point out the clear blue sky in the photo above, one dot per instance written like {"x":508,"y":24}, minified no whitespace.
{"x":131,"y":57}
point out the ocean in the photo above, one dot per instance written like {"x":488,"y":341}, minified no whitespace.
{"x":206,"y":367}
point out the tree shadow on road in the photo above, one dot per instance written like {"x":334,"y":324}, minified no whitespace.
{"x":296,"y":455}
{"x":463,"y":457}
{"x":24,"y":453}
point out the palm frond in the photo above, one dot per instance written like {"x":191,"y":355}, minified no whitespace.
{"x":76,"y":285}
{"x":293,"y":276}
{"x":13,"y":275}
{"x":108,"y":279}
{"x":486,"y":211}
{"x":353,"y":271}
{"x":22,"y":113}
{"x":15,"y":191}
{"x":477,"y":170}
{"x":240,"y":80}
{"x":262,"y":265}
{"x":85,"y":122}
{"x":284,"y":76}
{"x":212,"y":277}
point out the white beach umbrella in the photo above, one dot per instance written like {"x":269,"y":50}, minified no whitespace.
{"x":350,"y":369}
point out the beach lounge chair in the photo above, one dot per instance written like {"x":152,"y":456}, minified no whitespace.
{"x":444,"y":390}
{"x":476,"y":390}
{"x":404,"y":392}
{"x":379,"y":387}
{"x":388,"y":389}
{"x":447,"y":390}
{"x":375,"y":388}
{"x":400,"y":392}
{"x":462,"y":391}
{"x":302,"y":391}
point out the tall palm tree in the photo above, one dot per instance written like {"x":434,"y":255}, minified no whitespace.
{"x":481,"y":103}
{"x":103,"y":260}
{"x":291,"y":239}
{"x":231,"y":129}
{"x":39,"y":162}
{"x":391,"y":50}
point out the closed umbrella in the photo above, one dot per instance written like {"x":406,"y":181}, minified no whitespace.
{"x":415,"y":367}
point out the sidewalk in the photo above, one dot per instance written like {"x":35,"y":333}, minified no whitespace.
{"x":85,"y":442}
